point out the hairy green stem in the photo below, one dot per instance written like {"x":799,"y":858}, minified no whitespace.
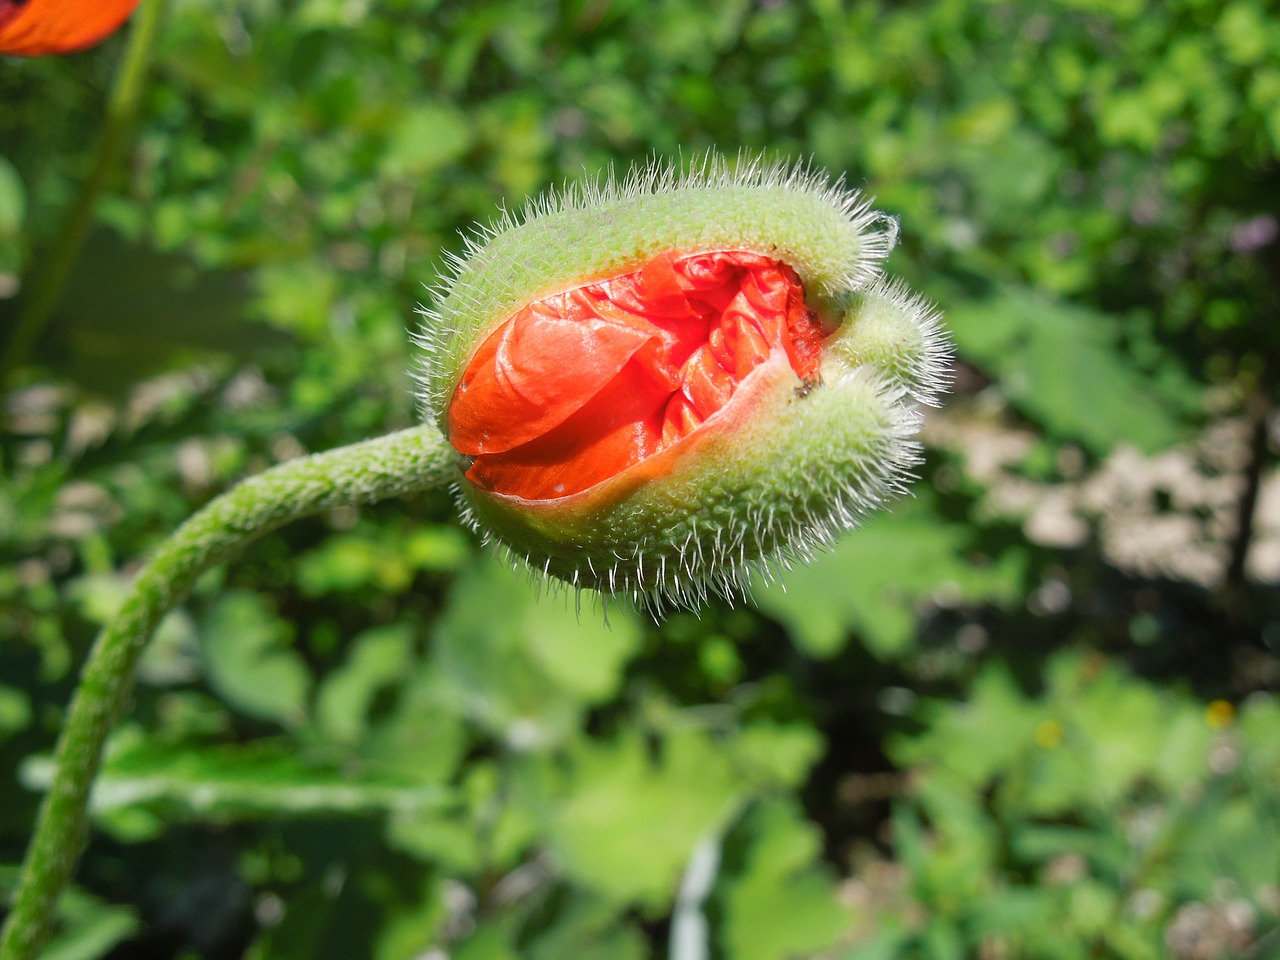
{"x":412,"y":460}
{"x":123,"y":105}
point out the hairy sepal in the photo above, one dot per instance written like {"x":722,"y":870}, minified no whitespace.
{"x":776,"y":475}
{"x":825,"y":231}
{"x":899,"y":333}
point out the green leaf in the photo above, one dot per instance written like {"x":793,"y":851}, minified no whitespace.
{"x":92,"y":929}
{"x":996,"y":726}
{"x":379,"y":657}
{"x":12,"y":201}
{"x":380,"y":560}
{"x":15,"y":710}
{"x":1060,"y":366}
{"x":629,"y":825}
{"x":523,"y":666}
{"x":871,"y":582}
{"x":489,"y":942}
{"x":784,"y":902}
{"x":1246,"y":32}
{"x":115,"y":323}
{"x":1259,"y":731}
{"x":348,"y":562}
{"x":248,"y":663}
{"x":438,"y":548}
{"x":428,"y":138}
{"x":1080,"y":763}
{"x":1231,"y":839}
{"x":589,"y":928}
{"x":12,"y":212}
{"x":777,"y":754}
{"x":579,"y":925}
{"x":263,"y":779}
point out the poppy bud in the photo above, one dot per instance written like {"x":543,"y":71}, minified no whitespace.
{"x":33,"y":28}
{"x":658,"y":385}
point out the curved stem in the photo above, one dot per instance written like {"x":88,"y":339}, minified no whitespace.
{"x":123,"y":105}
{"x":405,"y":462}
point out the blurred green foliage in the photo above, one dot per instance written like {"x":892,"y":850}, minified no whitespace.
{"x":951,"y":738}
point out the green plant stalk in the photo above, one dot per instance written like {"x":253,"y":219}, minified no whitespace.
{"x":123,"y":105}
{"x":410,"y":461}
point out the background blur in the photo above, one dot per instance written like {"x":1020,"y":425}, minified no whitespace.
{"x":1031,"y":712}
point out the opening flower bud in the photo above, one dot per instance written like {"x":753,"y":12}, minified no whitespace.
{"x":658,"y":385}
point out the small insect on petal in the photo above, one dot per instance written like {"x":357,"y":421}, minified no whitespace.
{"x":33,"y":28}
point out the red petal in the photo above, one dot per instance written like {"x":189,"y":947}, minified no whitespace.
{"x":580,"y":386}
{"x":620,"y":426}
{"x":739,"y":343}
{"x":532,"y":375}
{"x":707,"y":384}
{"x":40,"y":27}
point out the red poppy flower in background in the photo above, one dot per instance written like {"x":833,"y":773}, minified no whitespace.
{"x":33,"y":28}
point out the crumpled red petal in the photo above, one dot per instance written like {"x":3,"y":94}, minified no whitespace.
{"x":579,"y":386}
{"x":38,"y":27}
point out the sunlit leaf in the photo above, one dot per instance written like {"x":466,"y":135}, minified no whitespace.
{"x":784,"y":903}
{"x":869,"y":585}
{"x":378,"y":658}
{"x":248,"y":662}
{"x":1060,"y":365}
{"x":219,"y":784}
{"x":527,"y":674}
{"x":631,"y":822}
